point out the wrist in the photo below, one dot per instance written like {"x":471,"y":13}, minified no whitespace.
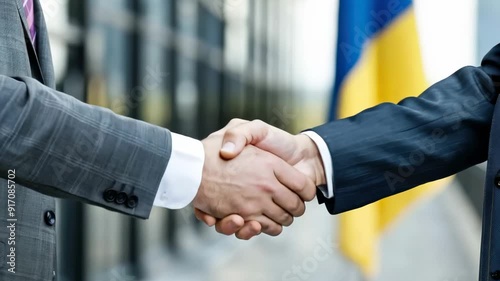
{"x":311,"y":156}
{"x":199,"y":199}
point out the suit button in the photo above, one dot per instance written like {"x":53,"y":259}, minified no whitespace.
{"x":50,"y":218}
{"x":495,"y":275}
{"x":121,"y":198}
{"x":132,"y":201}
{"x":109,"y":195}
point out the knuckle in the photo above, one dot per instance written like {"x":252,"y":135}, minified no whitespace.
{"x":311,"y":195}
{"x":302,"y":182}
{"x":236,"y":121}
{"x":267,"y":163}
{"x":299,"y":208}
{"x":288,"y":220}
{"x":258,"y":121}
{"x":275,"y":231}
{"x":259,"y":124}
{"x":308,"y":191}
{"x":300,"y":188}
{"x":270,"y":162}
{"x":268,"y":189}
{"x":247,"y":210}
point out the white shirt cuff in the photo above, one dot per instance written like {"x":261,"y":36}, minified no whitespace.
{"x":182,"y":178}
{"x":327,"y":162}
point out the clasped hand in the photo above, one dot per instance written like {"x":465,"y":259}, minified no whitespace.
{"x":256,"y":178}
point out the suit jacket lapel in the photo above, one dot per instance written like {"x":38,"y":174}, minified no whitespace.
{"x":34,"y":63}
{"x":43,"y":46}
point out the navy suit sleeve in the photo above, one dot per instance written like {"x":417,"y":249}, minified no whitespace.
{"x":391,"y":148}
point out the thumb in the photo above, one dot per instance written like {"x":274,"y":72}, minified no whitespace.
{"x":236,"y":138}
{"x":263,"y":136}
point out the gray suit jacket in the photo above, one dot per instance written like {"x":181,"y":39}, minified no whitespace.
{"x":52,"y":145}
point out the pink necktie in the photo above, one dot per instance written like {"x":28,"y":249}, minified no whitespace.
{"x":30,"y":17}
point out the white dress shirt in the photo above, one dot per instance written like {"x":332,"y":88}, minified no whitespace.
{"x":182,"y":178}
{"x":327,"y":162}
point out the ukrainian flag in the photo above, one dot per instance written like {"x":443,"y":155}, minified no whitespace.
{"x":378,"y":60}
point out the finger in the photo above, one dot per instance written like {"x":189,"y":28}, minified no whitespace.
{"x":269,"y":227}
{"x":236,"y":138}
{"x":204,"y":217}
{"x":229,"y":225}
{"x":295,"y":181}
{"x":277,"y":214}
{"x":289,"y":201}
{"x":249,"y":230}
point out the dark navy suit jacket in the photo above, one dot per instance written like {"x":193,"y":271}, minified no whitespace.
{"x":391,"y":148}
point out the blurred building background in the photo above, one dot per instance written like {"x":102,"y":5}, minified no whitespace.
{"x":191,"y":66}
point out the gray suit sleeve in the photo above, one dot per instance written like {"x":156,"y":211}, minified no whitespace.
{"x":391,"y":148}
{"x":62,"y":147}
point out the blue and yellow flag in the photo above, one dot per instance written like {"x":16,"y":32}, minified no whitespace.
{"x":378,"y":60}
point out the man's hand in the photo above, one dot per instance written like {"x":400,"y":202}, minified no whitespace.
{"x":299,"y":151}
{"x":256,"y":185}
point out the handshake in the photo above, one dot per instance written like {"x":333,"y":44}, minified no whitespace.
{"x":256,"y":178}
